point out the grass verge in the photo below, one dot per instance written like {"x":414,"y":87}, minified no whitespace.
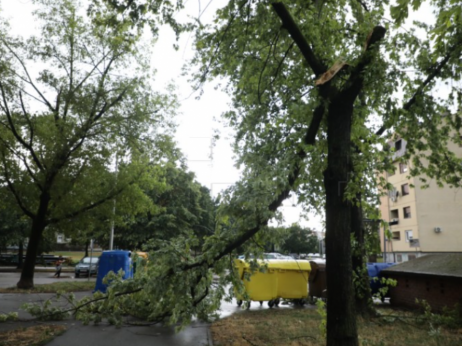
{"x":72,"y":256}
{"x":64,"y":286}
{"x":300,"y":327}
{"x":31,"y":336}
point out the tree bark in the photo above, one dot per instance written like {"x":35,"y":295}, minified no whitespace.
{"x":363,"y":297}
{"x":341,"y":313}
{"x":38,"y":225}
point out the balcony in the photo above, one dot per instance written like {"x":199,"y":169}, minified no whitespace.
{"x":400,"y":149}
{"x":393,"y":222}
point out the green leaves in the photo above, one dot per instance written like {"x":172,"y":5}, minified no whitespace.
{"x":300,"y":240}
{"x":133,"y":16}
{"x":78,"y":112}
{"x":11,"y":316}
{"x":79,"y":133}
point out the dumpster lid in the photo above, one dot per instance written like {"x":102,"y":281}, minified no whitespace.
{"x":280,"y":264}
{"x":115,"y":253}
{"x":289,"y":264}
{"x":142,"y":254}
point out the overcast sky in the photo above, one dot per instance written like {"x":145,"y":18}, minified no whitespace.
{"x":198,"y":119}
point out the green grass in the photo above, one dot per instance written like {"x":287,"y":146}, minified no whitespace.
{"x":301,"y":327}
{"x":31,"y":336}
{"x":64,"y":286}
{"x":74,"y":256}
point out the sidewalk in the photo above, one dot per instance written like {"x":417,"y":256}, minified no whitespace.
{"x":104,"y":334}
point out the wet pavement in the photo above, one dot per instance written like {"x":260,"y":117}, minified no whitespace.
{"x":197,"y":333}
{"x":102,"y":335}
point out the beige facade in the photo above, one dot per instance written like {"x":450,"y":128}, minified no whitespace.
{"x":421,"y":221}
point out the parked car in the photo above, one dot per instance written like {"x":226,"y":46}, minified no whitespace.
{"x":275,"y":255}
{"x":83,"y":267}
{"x":268,"y":255}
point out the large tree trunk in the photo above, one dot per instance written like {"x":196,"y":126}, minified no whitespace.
{"x":38,"y":225}
{"x":363,"y":297}
{"x":341,"y":314}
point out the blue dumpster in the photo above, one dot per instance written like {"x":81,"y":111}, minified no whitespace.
{"x":373,"y":270}
{"x":113,"y":260}
{"x":374,"y":279}
{"x":382,"y":266}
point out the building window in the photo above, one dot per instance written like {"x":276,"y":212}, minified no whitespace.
{"x":399,"y":258}
{"x":398,"y":145}
{"x":396,"y":235}
{"x":408,"y":235}
{"x":411,"y":257}
{"x":394,"y":218}
{"x":402,"y":168}
{"x":404,"y":189}
{"x":407,"y":212}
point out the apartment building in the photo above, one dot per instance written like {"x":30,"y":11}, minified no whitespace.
{"x":421,"y":221}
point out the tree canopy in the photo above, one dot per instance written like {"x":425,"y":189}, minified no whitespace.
{"x":318,"y":88}
{"x":80,"y":122}
{"x":300,"y":240}
{"x":182,"y":208}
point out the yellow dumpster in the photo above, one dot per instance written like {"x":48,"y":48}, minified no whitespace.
{"x":261,"y":286}
{"x":140,"y":260}
{"x":287,"y":279}
{"x":142,"y":254}
{"x":292,"y":278}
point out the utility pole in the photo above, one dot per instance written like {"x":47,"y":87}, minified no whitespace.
{"x":111,"y":239}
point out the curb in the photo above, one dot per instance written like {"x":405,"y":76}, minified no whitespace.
{"x":209,"y":337}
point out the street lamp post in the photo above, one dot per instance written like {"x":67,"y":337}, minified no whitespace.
{"x":111,"y":239}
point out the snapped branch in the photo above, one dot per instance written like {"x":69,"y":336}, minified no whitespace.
{"x":309,"y":139}
{"x":356,"y":79}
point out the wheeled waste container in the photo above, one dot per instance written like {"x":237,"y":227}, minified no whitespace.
{"x":317,"y":280}
{"x":373,"y":270}
{"x":286,"y":279}
{"x":113,"y":260}
{"x":139,"y":261}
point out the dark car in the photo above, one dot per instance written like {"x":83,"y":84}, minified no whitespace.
{"x":87,"y":266}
